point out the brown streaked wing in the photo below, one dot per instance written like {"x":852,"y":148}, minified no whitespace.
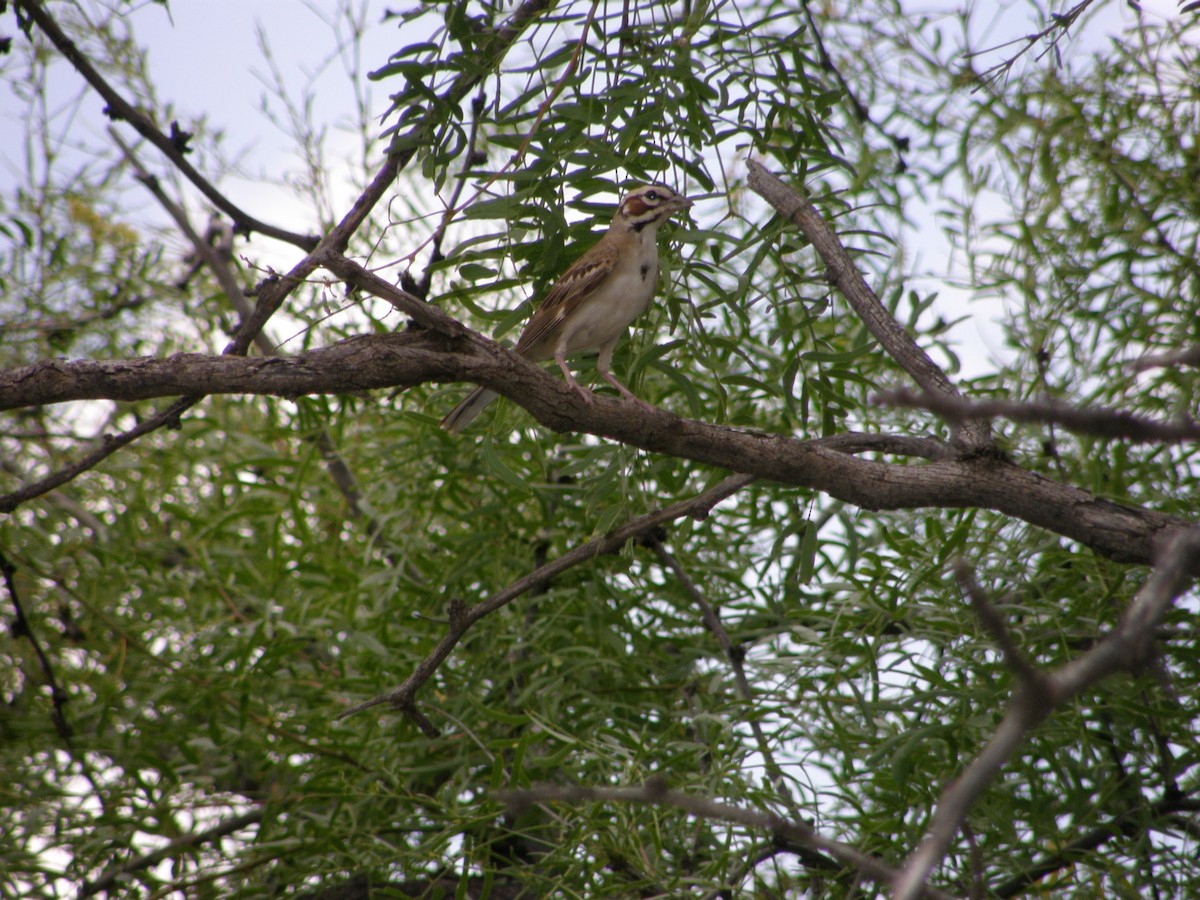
{"x":566,"y":294}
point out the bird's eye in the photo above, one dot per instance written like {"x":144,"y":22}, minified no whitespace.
{"x":651,"y":195}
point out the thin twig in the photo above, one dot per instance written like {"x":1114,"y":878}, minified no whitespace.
{"x":1103,"y":422}
{"x":421,"y":288}
{"x":331,"y":247}
{"x":1133,"y":821}
{"x":991,"y":619}
{"x":21,"y":627}
{"x":219,"y":264}
{"x":1188,"y":356}
{"x":453,"y":210}
{"x":173,"y":147}
{"x":425,"y":315}
{"x":1059,"y":22}
{"x":109,"y":444}
{"x":51,"y":326}
{"x":861,"y":110}
{"x":655,"y":793}
{"x":463,"y":617}
{"x":274,"y":291}
{"x":735,"y":656}
{"x":108,"y":880}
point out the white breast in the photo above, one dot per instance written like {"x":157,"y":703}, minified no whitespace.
{"x":620,"y":298}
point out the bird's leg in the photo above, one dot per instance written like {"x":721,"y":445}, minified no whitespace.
{"x":583,"y":392}
{"x":603,"y":364}
{"x":624,"y":391}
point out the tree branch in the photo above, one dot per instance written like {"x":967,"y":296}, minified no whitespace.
{"x":108,"y":880}
{"x":1060,"y":23}
{"x":426,"y":315}
{"x":735,"y":656}
{"x":274,"y":291}
{"x":331,"y":247}
{"x":21,"y":627}
{"x":896,"y":342}
{"x":119,"y":108}
{"x":655,"y":793}
{"x":463,"y":617}
{"x":1126,"y":647}
{"x":109,"y":445}
{"x":1100,"y":422}
{"x":1120,"y":532}
{"x":993,"y":621}
{"x":1188,"y":356}
{"x":222,"y":269}
{"x":1129,"y":822}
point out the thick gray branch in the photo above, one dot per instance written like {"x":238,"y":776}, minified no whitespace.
{"x":352,"y":365}
{"x":1120,"y":532}
{"x":896,"y":342}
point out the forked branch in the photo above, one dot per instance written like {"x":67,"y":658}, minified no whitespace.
{"x":463,"y":617}
{"x":897,"y":343}
{"x":656,"y":793}
{"x":1125,"y":648}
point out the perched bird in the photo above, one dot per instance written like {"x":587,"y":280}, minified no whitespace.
{"x":594,"y":301}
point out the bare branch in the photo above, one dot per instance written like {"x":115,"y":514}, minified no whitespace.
{"x":463,"y":617}
{"x":50,"y":326}
{"x":275,"y":291}
{"x":1126,"y":647}
{"x":796,"y":208}
{"x":21,"y":627}
{"x":1101,"y":422}
{"x":1129,"y":822}
{"x":894,"y":444}
{"x":994,"y":623}
{"x":222,"y":269}
{"x":1060,"y":25}
{"x":207,"y":253}
{"x":471,"y":158}
{"x":329,"y":250}
{"x":402,"y":359}
{"x":426,"y":315}
{"x":655,"y":793}
{"x":119,"y":108}
{"x":109,"y":445}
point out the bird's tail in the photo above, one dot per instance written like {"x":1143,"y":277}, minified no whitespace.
{"x":463,"y":414}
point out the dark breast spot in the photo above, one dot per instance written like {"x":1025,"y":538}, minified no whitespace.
{"x":645,"y":270}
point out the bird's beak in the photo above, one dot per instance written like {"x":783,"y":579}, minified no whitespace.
{"x":681,"y":202}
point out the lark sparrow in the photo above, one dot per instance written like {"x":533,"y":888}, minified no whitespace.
{"x":594,"y":301}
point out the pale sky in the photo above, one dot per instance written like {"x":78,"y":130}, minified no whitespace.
{"x":205,"y":58}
